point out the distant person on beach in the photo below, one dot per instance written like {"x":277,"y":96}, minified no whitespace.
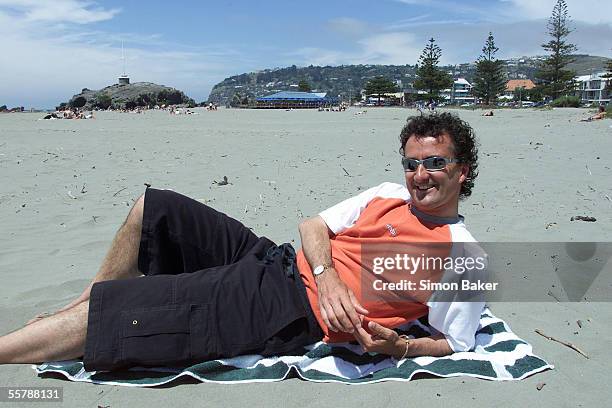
{"x":488,"y":113}
{"x":419,"y":107}
{"x":184,"y":283}
{"x":601,"y":114}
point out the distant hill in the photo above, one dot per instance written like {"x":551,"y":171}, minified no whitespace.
{"x":586,"y":64}
{"x":348,"y":80}
{"x":130,"y":96}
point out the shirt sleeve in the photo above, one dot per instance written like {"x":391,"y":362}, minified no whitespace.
{"x":344,"y":214}
{"x":459,"y":320}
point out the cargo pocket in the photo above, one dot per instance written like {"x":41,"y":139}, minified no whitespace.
{"x":159,"y":335}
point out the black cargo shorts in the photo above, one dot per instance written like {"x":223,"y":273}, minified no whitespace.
{"x":212,"y":289}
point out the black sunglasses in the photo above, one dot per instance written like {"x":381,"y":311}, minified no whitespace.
{"x":434,"y":163}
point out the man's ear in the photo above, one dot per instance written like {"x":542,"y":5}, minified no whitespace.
{"x":465,"y":169}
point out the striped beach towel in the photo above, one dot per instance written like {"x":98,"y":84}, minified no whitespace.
{"x":498,"y":355}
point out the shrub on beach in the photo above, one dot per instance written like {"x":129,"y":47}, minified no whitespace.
{"x":566,"y":102}
{"x":147,"y":100}
{"x":131,"y":104}
{"x":103,"y":101}
{"x":170,"y":97}
{"x":78,"y":102}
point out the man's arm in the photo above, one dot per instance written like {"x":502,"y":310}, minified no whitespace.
{"x":382,"y":340}
{"x":337,"y":303}
{"x":315,"y":235}
{"x":435,"y":346}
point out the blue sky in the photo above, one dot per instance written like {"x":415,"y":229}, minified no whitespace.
{"x":52,"y":49}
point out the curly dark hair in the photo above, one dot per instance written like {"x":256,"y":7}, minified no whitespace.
{"x":465,"y":144}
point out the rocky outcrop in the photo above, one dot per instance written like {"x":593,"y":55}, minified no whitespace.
{"x":129,"y":96}
{"x":5,"y":109}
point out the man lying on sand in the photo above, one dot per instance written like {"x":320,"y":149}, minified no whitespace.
{"x":183,"y":283}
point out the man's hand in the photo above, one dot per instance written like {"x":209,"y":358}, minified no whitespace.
{"x":338,"y":305}
{"x":380,"y":340}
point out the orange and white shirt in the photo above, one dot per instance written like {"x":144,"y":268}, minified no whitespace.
{"x":383,"y":215}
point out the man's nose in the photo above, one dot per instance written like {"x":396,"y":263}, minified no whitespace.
{"x":421,"y":173}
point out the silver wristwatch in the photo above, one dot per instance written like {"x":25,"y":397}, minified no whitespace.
{"x":319,"y":269}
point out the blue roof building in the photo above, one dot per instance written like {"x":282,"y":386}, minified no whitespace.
{"x":291,"y":99}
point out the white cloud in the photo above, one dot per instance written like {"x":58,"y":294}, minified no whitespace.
{"x":461,"y":11}
{"x":320,"y":56}
{"x":413,"y":2}
{"x":390,"y":48}
{"x":406,"y":22}
{"x":58,"y":11}
{"x":504,"y":11}
{"x":588,"y":11}
{"x":408,"y":25}
{"x":348,"y":26}
{"x":386,"y":48}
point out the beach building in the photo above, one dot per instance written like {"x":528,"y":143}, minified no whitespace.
{"x":386,"y":99}
{"x":460,"y":93}
{"x":517,"y":85}
{"x":593,"y":88}
{"x":296,"y":100}
{"x":412,"y":95}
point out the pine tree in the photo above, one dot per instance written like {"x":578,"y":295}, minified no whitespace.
{"x":430,"y":77}
{"x":557,"y":80}
{"x":304,"y":86}
{"x":380,"y":86}
{"x":490,"y":79}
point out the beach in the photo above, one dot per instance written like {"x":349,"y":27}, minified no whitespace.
{"x":67,"y":185}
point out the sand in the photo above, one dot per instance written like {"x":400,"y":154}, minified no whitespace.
{"x":67,"y":186}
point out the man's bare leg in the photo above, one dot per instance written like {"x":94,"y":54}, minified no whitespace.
{"x":121,"y":261}
{"x":58,"y":337}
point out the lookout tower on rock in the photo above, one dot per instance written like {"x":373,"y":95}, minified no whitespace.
{"x":123,"y":79}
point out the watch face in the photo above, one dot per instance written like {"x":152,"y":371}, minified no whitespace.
{"x":318,"y":270}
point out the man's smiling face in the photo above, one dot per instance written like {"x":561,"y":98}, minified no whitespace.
{"x":434,"y":192}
